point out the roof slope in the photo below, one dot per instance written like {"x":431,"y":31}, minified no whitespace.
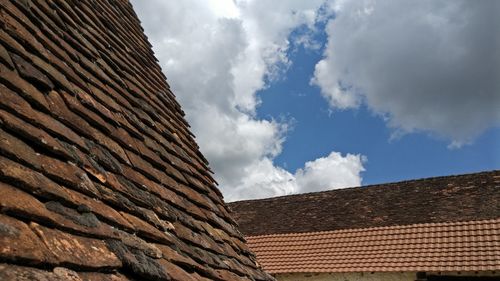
{"x":442,"y":199}
{"x":100,"y":177}
{"x":437,"y":224}
{"x":457,"y":246}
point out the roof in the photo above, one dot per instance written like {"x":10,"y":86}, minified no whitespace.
{"x":456,"y":246}
{"x":100,"y":176}
{"x":437,"y":224}
{"x":440,"y":199}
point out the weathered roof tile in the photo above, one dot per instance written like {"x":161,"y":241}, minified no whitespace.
{"x":18,"y":242}
{"x":13,"y":272}
{"x":418,"y":201}
{"x":24,"y":88}
{"x":81,"y":252}
{"x":96,"y":157}
{"x":140,"y":264}
{"x":95,"y":276}
{"x":30,"y":73}
{"x":12,"y":102}
{"x":147,"y":230}
{"x":5,"y":57}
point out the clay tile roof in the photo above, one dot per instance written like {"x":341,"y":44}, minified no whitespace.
{"x":456,"y":246}
{"x":100,"y":177}
{"x":438,"y":224}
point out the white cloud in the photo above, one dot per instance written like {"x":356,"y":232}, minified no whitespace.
{"x":331,"y":172}
{"x":262,"y":180}
{"x":216,"y":55}
{"x":425,"y":65}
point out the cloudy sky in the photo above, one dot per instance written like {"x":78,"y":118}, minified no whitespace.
{"x":292,"y":96}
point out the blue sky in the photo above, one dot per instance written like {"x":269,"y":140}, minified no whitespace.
{"x":317,"y":130}
{"x":293,"y":96}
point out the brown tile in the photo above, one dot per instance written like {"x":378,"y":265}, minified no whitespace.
{"x":94,"y":146}
{"x":34,"y":134}
{"x":77,"y":250}
{"x":31,"y":181}
{"x":24,"y":88}
{"x":14,"y":272}
{"x":228,"y":275}
{"x":137,"y":262}
{"x":95,"y":276}
{"x":18,"y":150}
{"x":175,"y":256}
{"x":15,"y":104}
{"x":135,"y":242}
{"x":5,"y":57}
{"x":99,"y":208}
{"x":91,"y":117}
{"x":30,"y":73}
{"x":69,"y":174}
{"x":147,"y":230}
{"x":15,"y":201}
{"x":175,"y":272}
{"x":18,"y":242}
{"x":338,"y":251}
{"x":400,"y":203}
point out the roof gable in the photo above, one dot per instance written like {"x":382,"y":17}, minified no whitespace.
{"x":99,"y":173}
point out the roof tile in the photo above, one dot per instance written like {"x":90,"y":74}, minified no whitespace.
{"x":80,"y":251}
{"x":12,"y":272}
{"x":419,"y":201}
{"x":95,"y":155}
{"x":438,"y":224}
{"x":18,"y":242}
{"x":382,"y":249}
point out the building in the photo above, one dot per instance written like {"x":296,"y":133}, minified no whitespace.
{"x":445,"y":228}
{"x":100,"y":177}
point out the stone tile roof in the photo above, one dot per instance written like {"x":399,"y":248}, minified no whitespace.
{"x":441,"y":199}
{"x":438,"y":224}
{"x":456,"y":246}
{"x":100,"y":177}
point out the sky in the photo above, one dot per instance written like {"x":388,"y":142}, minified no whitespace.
{"x":293,"y":96}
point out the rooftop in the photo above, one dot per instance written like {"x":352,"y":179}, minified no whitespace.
{"x":100,"y":176}
{"x":434,"y":247}
{"x":438,"y":224}
{"x":440,"y":199}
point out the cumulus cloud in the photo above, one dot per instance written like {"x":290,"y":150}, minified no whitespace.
{"x":426,"y":65}
{"x":217,"y":55}
{"x":325,"y":173}
{"x":331,"y":172}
